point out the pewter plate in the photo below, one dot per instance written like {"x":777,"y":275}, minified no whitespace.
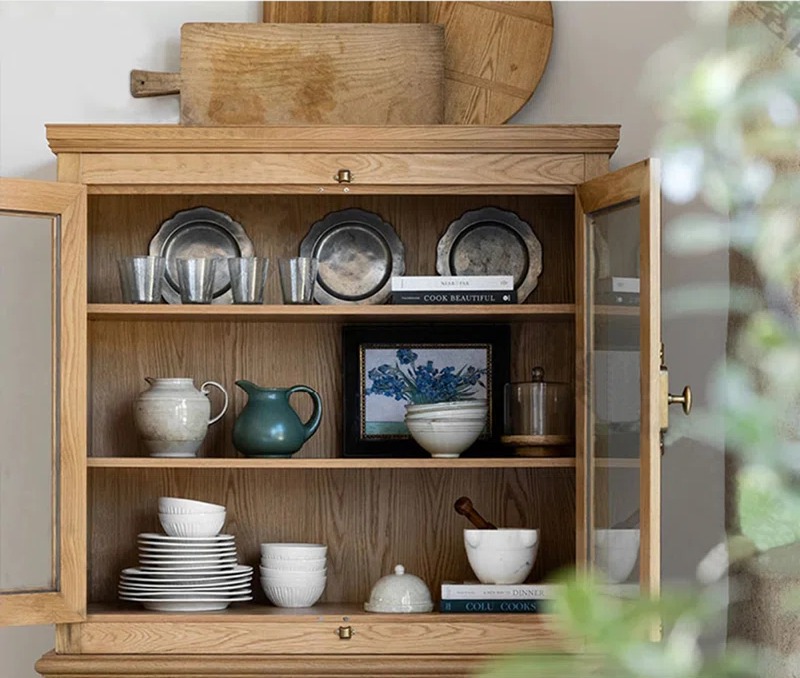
{"x":491,"y":241}
{"x":200,"y":232}
{"x":358,"y":254}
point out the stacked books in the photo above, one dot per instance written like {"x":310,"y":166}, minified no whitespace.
{"x":456,"y":289}
{"x":618,"y":291}
{"x":496,"y":598}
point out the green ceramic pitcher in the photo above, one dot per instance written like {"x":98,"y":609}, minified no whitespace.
{"x":268,"y":426}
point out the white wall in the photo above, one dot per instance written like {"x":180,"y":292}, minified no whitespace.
{"x":70,"y":62}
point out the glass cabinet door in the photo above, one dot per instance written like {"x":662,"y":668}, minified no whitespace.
{"x":42,"y":402}
{"x":619,"y":338}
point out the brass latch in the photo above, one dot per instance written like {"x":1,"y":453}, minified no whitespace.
{"x":666,"y":398}
{"x":344,"y":176}
{"x":344,"y":632}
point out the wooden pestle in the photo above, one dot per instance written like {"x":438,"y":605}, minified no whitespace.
{"x":464,"y":506}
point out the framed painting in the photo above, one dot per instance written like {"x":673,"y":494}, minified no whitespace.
{"x":387,"y":367}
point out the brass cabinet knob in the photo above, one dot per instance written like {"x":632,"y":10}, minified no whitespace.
{"x":684,"y":399}
{"x":344,"y":176}
{"x":344,"y":632}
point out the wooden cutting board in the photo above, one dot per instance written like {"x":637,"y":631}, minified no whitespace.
{"x":495,"y":52}
{"x":273,"y":74}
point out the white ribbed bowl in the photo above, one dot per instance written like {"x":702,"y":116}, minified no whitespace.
{"x":192,"y":524}
{"x":470,"y":417}
{"x":284,"y":565}
{"x":293,"y":596}
{"x":291,"y":577}
{"x":174,"y":505}
{"x":292,"y":551}
{"x":449,"y":407}
{"x":445,"y":441}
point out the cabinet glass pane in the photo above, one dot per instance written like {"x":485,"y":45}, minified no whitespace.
{"x":27,"y":420}
{"x":615,"y":393}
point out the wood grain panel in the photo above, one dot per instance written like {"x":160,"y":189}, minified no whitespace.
{"x":269,"y":355}
{"x":337,"y":462}
{"x":262,"y":74}
{"x":495,"y":52}
{"x":362,"y":514}
{"x":52,"y":665}
{"x":323,"y":138}
{"x":276,"y":313}
{"x":320,"y":169}
{"x":437,"y":635}
{"x":124,"y":225}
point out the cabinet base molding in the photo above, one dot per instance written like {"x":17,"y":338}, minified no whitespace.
{"x":54,"y":665}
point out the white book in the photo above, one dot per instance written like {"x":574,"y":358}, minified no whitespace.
{"x":617,"y":284}
{"x":477,"y":591}
{"x":441,"y":283}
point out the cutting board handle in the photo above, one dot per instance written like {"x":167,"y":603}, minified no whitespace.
{"x":154,"y":84}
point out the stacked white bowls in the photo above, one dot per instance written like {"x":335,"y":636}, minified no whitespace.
{"x":190,"y":518}
{"x":447,"y":429}
{"x":293,"y":575}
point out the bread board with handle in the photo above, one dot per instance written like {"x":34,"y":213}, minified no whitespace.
{"x":495,"y":52}
{"x":273,"y":74}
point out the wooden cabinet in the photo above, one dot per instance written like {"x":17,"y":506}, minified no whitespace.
{"x":371,"y":512}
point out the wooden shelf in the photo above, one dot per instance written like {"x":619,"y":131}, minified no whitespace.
{"x":326,"y":463}
{"x":253,"y":613}
{"x":294,"y":314}
{"x":617,"y":463}
{"x":618,"y":311}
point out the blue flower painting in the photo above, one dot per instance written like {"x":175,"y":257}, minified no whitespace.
{"x":396,"y":377}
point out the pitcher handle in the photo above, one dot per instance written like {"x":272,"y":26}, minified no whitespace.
{"x":203,"y":388}
{"x":311,"y":426}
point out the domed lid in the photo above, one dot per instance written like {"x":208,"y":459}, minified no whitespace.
{"x":399,"y":592}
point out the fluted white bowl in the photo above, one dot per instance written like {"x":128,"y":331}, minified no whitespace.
{"x":293,"y":596}
{"x":175,"y":505}
{"x":293,"y":551}
{"x":292,"y":575}
{"x":192,"y":524}
{"x":282,"y":564}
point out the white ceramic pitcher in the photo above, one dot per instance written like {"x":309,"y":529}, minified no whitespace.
{"x":172,"y":416}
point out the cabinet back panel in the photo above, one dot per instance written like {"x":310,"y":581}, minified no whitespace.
{"x":124,"y":225}
{"x":370,"y":519}
{"x":122,"y":354}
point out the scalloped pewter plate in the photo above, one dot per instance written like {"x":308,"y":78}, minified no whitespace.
{"x":491,"y":241}
{"x":358,"y":254}
{"x":200,"y":232}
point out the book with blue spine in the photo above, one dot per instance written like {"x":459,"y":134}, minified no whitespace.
{"x":508,"y":606}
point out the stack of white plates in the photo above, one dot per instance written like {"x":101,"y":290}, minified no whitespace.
{"x":186,"y":574}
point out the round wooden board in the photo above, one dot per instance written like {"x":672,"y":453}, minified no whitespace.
{"x":495,"y":52}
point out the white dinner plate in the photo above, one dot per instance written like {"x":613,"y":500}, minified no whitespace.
{"x":200,"y":583}
{"x":177,"y":597}
{"x":222,"y":548}
{"x":183,"y":606}
{"x":239,"y":590}
{"x":235,"y":571}
{"x":187,"y":556}
{"x":195,"y":586}
{"x":187,"y":570}
{"x":166,"y":539}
